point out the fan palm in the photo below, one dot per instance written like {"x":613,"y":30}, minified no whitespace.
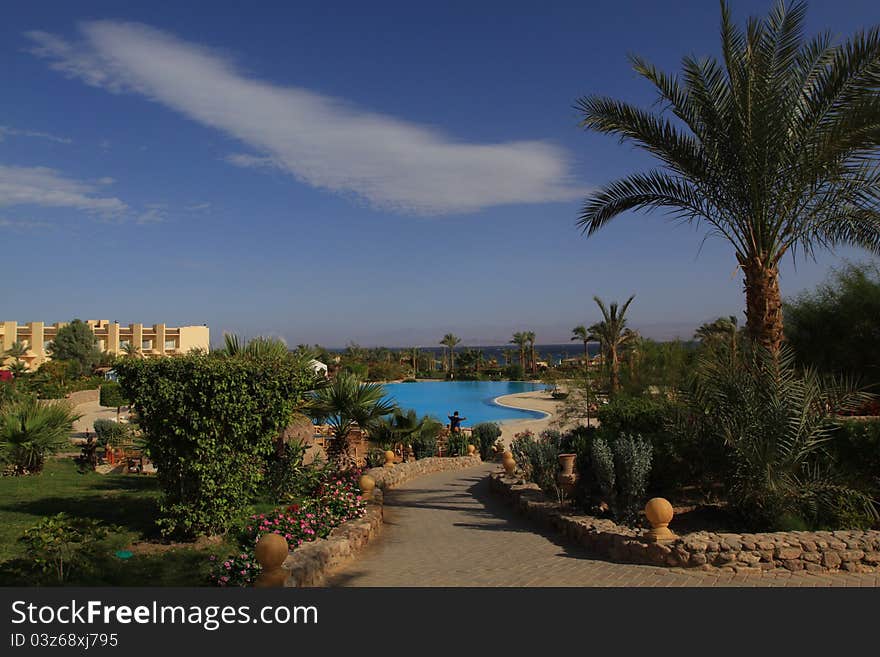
{"x":131,"y":350}
{"x":612,"y":335}
{"x":17,"y":350}
{"x":346,"y":403}
{"x":775,"y":149}
{"x":30,"y":430}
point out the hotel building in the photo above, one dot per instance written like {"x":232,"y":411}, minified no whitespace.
{"x":155,"y":340}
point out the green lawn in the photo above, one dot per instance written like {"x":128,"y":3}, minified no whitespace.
{"x":127,"y":502}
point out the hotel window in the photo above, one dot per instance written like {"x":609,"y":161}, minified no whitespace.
{"x":47,"y":345}
{"x":170,"y":344}
{"x":147,"y":345}
{"x":123,"y":344}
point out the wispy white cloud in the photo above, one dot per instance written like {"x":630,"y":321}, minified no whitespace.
{"x":198,"y":207}
{"x":322,"y":141}
{"x":251,"y":161}
{"x":7,"y":131}
{"x":20,"y":225}
{"x":45,"y":187}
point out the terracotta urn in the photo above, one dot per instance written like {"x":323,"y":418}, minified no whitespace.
{"x":659,"y":513}
{"x":566,"y":463}
{"x":471,"y":450}
{"x":389,"y":459}
{"x":566,"y":479}
{"x":509,"y":464}
{"x":271,"y":551}
{"x":366,"y":483}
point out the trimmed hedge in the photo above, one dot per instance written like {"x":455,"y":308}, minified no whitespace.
{"x":209,"y":423}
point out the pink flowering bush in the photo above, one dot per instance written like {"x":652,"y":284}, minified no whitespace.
{"x":336,"y":500}
{"x":341,"y":499}
{"x":297,"y":525}
{"x":236,"y":570}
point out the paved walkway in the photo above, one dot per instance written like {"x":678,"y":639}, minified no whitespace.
{"x":447,"y":529}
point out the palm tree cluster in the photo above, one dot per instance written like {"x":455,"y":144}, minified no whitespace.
{"x":774,"y":148}
{"x":525,"y":341}
{"x":450,"y":341}
{"x":346,"y":403}
{"x":612,"y":335}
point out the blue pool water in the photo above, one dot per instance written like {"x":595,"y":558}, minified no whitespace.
{"x":472,"y":399}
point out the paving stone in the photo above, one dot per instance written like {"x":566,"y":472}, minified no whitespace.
{"x":448,"y":529}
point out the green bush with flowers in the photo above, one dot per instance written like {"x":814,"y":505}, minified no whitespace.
{"x":336,"y":500}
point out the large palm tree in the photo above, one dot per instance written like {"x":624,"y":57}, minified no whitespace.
{"x":613,"y":335}
{"x":30,"y":430}
{"x":520,"y":340}
{"x":775,"y":149}
{"x":345,"y":403}
{"x":581,"y":334}
{"x":530,"y":343}
{"x":450,"y":340}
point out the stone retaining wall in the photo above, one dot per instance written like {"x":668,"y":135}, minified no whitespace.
{"x":309,"y":564}
{"x":854,"y":551}
{"x":403,"y":472}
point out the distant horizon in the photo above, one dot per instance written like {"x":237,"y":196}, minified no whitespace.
{"x":296,"y":173}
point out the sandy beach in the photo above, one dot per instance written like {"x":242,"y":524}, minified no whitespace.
{"x":538,"y":400}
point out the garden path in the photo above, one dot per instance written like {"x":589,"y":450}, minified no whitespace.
{"x":447,"y":529}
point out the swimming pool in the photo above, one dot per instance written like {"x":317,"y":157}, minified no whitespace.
{"x":472,"y":399}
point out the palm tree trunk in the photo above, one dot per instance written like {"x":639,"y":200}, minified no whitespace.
{"x":763,"y":304}
{"x":586,"y":355}
{"x":615,"y":371}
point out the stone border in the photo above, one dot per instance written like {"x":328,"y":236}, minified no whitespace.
{"x":309,"y":564}
{"x":404,"y":472}
{"x":853,"y":551}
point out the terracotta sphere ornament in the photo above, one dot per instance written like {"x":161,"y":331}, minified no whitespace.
{"x":659,"y":512}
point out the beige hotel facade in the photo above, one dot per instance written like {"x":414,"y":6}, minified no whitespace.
{"x":155,"y":340}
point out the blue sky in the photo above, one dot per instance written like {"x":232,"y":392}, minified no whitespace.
{"x":380,"y":172}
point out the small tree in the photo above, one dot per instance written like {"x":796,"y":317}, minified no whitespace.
{"x":111,"y":396}
{"x":76,"y":342}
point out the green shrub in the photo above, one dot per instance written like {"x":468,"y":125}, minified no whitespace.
{"x":375,"y":457}
{"x":642,"y":415}
{"x":424,"y":445}
{"x":111,"y":395}
{"x":210,"y":423}
{"x":111,"y":433}
{"x":457,"y":444}
{"x":855,"y":448}
{"x":779,"y":424}
{"x":484,"y":435}
{"x":287,"y":478}
{"x":621,"y":471}
{"x":538,"y":460}
{"x":59,"y":545}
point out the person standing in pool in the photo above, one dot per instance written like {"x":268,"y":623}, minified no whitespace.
{"x":455,"y":422}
